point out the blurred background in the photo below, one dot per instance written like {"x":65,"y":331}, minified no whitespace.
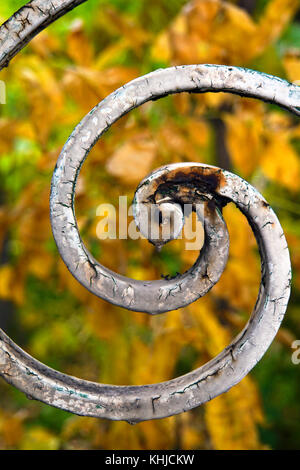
{"x":51,"y":85}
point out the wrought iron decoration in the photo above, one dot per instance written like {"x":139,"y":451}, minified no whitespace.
{"x":183,"y":182}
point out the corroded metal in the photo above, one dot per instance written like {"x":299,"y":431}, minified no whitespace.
{"x":138,"y":403}
{"x":180,"y":182}
{"x":151,"y":297}
{"x":143,"y":296}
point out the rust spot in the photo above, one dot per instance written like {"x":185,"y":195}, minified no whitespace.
{"x":210,"y":178}
{"x":265,"y":205}
{"x":204,"y":179}
{"x":210,"y":209}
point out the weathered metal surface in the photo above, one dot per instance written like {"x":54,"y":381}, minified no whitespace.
{"x":151,"y":297}
{"x":138,"y":403}
{"x":143,"y":296}
{"x":27,"y":22}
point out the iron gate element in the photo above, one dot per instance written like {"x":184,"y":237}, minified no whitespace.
{"x":174,"y":185}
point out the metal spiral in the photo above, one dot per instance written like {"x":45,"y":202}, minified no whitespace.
{"x":168,"y":188}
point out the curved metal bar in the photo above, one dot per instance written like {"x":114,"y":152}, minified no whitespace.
{"x":151,"y":297}
{"x":139,"y":295}
{"x":139,"y":403}
{"x":27,"y":22}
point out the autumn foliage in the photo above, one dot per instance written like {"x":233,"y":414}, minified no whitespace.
{"x":51,"y":85}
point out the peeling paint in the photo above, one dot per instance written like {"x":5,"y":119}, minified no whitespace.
{"x":183,"y":182}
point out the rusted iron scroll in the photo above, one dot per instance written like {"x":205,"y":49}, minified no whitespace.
{"x":167,"y":188}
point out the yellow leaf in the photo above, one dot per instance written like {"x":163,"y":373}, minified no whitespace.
{"x":38,"y":438}
{"x":216,"y":30}
{"x":275,"y":17}
{"x":239,"y":283}
{"x":108,"y":55}
{"x":7,"y":134}
{"x":291,"y":64}
{"x":40,"y":264}
{"x":6,"y":281}
{"x":161,"y":50}
{"x":88,"y":86}
{"x":280,"y":161}
{"x":44,"y":44}
{"x":78,"y":45}
{"x":232,"y":418}
{"x":11,"y":428}
{"x":244,"y":138}
{"x":44,"y":94}
{"x":127,"y":27}
{"x":133,"y":160}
